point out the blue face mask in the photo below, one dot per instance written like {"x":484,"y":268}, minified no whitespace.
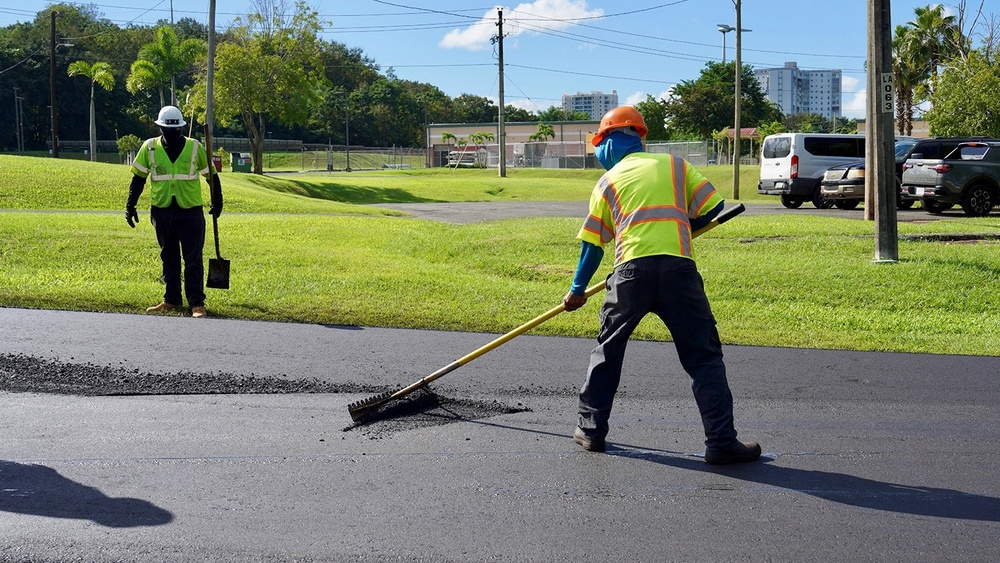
{"x":615,"y":147}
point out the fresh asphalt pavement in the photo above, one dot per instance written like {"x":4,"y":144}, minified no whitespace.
{"x":867,"y":456}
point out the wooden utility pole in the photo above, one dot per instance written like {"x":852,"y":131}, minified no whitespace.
{"x":52,"y":88}
{"x":501,"y":131}
{"x":880,"y":166}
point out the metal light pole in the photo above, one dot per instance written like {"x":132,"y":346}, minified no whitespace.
{"x":17,"y":120}
{"x":724,"y":29}
{"x":347,"y":130}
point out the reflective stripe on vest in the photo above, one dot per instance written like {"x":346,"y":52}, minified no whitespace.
{"x":192,"y":169}
{"x":640,"y":231}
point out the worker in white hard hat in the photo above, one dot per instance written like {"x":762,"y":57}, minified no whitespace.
{"x":173,"y":162}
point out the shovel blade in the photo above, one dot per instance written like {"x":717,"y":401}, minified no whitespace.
{"x":218,"y":273}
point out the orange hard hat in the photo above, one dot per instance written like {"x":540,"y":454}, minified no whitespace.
{"x":623,"y":116}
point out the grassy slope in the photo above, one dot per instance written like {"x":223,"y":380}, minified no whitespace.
{"x":774,"y":280}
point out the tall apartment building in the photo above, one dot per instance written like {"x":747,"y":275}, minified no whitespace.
{"x":803,"y":91}
{"x":595,"y":104}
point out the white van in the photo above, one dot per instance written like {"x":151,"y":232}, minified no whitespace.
{"x":792,"y":164}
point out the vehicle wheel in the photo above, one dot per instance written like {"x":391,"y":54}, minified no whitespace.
{"x":820,"y":200}
{"x":846,"y":204}
{"x":934,"y":207}
{"x":790,"y":203}
{"x":978,"y":201}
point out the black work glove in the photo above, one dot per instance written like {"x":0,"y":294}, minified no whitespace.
{"x":215,"y":209}
{"x":131,"y":217}
{"x":134,"y":191}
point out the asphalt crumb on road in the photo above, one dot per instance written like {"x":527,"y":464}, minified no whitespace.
{"x":424,"y":408}
{"x":421,"y":409}
{"x":29,"y":374}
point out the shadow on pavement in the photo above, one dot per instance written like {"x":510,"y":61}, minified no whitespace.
{"x":842,"y":488}
{"x":41,"y":491}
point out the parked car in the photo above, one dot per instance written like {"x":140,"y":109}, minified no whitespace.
{"x":792,"y":164}
{"x":968,"y":176}
{"x":844,"y":185}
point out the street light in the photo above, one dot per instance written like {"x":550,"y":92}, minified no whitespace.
{"x":724,"y":29}
{"x":52,"y":86}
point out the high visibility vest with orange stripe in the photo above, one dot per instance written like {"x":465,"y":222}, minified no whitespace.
{"x":645,"y":204}
{"x":178,"y":179}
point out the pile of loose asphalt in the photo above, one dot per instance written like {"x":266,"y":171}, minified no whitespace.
{"x":420,"y":409}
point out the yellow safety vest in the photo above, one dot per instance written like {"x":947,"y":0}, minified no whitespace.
{"x":645,"y":203}
{"x":172,"y":180}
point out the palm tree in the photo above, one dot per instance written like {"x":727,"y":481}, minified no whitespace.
{"x":99,"y":73}
{"x":908,"y":73}
{"x":936,"y":38}
{"x":160,"y":62}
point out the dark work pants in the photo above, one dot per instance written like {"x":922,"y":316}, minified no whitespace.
{"x":181,"y":233}
{"x":672,"y":288}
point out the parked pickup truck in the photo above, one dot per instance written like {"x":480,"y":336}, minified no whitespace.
{"x":968,"y":176}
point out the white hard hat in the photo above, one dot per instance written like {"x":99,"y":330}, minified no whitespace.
{"x":170,"y":117}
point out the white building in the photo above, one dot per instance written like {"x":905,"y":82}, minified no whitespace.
{"x":595,"y":104}
{"x":803,"y":91}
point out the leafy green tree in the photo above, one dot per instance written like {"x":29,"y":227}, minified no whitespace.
{"x":99,"y":74}
{"x":964,"y":98}
{"x":469,"y":108}
{"x":511,"y":114}
{"x":704,"y":105}
{"x":654,"y":113}
{"x":807,"y":123}
{"x":128,"y":145}
{"x":269,"y":71}
{"x":558,"y":113}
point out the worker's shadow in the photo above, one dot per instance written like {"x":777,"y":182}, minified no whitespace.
{"x":837,"y":487}
{"x":41,"y":491}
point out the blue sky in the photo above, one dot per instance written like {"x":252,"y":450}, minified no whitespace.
{"x":556,"y":47}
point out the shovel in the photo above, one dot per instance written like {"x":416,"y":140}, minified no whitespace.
{"x":218,"y":268}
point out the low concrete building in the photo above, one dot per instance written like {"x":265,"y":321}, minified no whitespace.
{"x":571,"y":147}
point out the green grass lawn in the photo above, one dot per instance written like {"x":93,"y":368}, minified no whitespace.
{"x":306,"y":249}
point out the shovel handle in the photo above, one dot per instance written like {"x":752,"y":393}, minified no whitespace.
{"x":211,"y":192}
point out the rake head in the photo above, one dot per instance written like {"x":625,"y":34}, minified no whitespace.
{"x":359,"y":409}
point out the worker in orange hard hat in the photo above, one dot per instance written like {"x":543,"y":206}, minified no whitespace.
{"x":648,"y":205}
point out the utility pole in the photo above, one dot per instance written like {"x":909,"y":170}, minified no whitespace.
{"x":501,"y":131}
{"x":52,"y":87}
{"x":210,"y":81}
{"x":880,"y":176}
{"x":736,"y":109}
{"x":17,"y":120}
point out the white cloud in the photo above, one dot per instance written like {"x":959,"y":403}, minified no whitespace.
{"x":855,"y":100}
{"x":539,"y":15}
{"x":637,"y":97}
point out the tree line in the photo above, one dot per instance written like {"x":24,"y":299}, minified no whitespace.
{"x":275,"y":78}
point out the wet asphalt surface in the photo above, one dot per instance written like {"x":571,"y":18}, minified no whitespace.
{"x":164,"y":438}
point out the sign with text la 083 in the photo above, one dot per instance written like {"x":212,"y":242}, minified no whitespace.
{"x":886,"y":92}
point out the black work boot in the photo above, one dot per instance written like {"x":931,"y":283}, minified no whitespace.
{"x":591,"y":444}
{"x":737,"y":453}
